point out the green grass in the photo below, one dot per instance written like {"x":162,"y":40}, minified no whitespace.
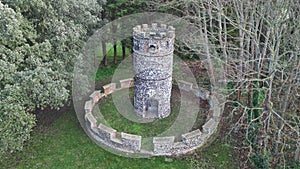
{"x":219,"y":155}
{"x":105,"y":72}
{"x":65,"y":145}
{"x":109,"y":70}
{"x":110,"y":52}
{"x":120,"y":123}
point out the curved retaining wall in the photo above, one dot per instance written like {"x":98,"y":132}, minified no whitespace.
{"x":130,"y":143}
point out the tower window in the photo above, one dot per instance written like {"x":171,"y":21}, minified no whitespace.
{"x":136,"y":47}
{"x":153,"y":48}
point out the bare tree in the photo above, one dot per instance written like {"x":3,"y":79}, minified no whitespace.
{"x":258,"y":42}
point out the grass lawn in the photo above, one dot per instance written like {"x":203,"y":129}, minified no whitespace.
{"x":110,"y":68}
{"x":63,"y":144}
{"x":117,"y":120}
{"x":120,"y":123}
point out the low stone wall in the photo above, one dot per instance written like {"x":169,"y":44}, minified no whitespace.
{"x":106,"y":133}
{"x":163,"y":145}
{"x":130,"y":143}
{"x":126,"y":83}
{"x":183,"y":85}
{"x":109,"y":88}
{"x":190,"y":141}
{"x":91,"y":119}
{"x":96,"y":96}
{"x":88,"y":106}
{"x":202,"y":93}
{"x":127,"y":142}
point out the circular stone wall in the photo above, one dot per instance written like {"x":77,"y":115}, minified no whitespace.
{"x":130,"y":143}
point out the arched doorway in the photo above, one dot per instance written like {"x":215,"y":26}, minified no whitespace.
{"x":151,"y":108}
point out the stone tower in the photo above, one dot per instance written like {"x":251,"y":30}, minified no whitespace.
{"x":153,"y":60}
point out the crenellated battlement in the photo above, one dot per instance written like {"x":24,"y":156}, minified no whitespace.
{"x":153,"y":39}
{"x":153,"y":31}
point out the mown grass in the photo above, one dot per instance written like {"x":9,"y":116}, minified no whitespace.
{"x":103,"y":72}
{"x":64,"y":144}
{"x":120,"y":123}
{"x":108,"y":70}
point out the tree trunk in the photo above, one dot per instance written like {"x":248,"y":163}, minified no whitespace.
{"x":297,"y":152}
{"x":115,"y":52}
{"x":123,"y":50}
{"x":104,"y":53}
{"x":114,"y":29}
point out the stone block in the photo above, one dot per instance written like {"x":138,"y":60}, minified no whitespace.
{"x":131,"y":141}
{"x":154,"y":25}
{"x":183,"y":85}
{"x":204,"y":137}
{"x":109,"y":88}
{"x":126,"y":83}
{"x":116,"y":141}
{"x":171,"y":28}
{"x":88,"y":107}
{"x":163,"y":140}
{"x":106,"y":133}
{"x":192,"y":134}
{"x":137,"y":29}
{"x":96,"y":96}
{"x":192,"y":139}
{"x":163,"y":145}
{"x":143,"y":35}
{"x":217,"y":113}
{"x":179,"y":147}
{"x":162,"y":34}
{"x":210,"y":126}
{"x":213,"y":102}
{"x":145,"y":26}
{"x":163,"y":26}
{"x":201,"y":93}
{"x":91,"y":119}
{"x":170,"y":34}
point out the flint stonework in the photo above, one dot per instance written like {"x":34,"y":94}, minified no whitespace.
{"x":106,"y":133}
{"x":126,"y":83}
{"x":163,"y":145}
{"x":153,"y":61}
{"x":192,"y":139}
{"x":153,"y":47}
{"x":131,"y":141}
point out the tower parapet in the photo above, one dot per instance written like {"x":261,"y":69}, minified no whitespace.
{"x":153,"y":62}
{"x":153,"y":39}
